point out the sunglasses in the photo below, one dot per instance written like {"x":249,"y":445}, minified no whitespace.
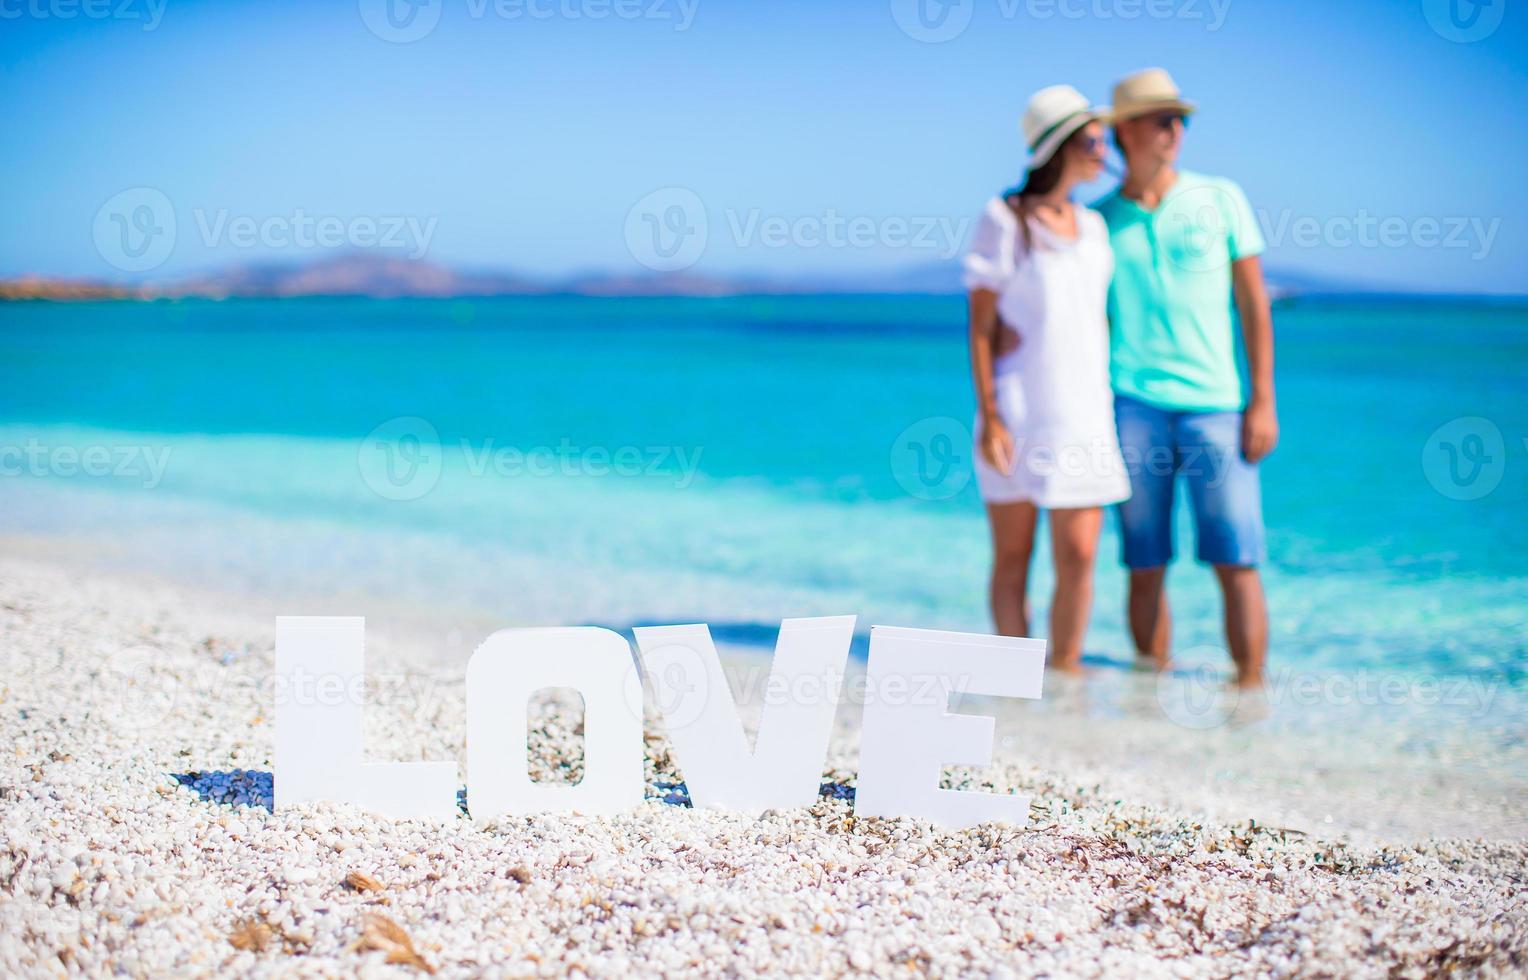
{"x":1165,"y":120}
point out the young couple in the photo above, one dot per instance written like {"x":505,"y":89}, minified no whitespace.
{"x":1104,"y":354}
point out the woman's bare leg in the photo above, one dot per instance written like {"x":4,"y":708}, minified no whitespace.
{"x":1074,"y":546}
{"x":1013,"y":544}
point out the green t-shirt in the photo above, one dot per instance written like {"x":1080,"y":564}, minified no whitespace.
{"x":1172,"y":334}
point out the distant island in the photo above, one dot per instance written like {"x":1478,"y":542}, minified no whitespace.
{"x":380,"y":275}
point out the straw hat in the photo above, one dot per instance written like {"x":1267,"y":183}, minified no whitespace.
{"x":1052,"y":115}
{"x":1151,"y":90}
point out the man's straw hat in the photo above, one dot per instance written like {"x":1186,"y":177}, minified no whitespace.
{"x":1151,"y":90}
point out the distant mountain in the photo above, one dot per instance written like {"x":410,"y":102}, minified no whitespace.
{"x":371,"y":274}
{"x":41,"y":287}
{"x":385,"y":275}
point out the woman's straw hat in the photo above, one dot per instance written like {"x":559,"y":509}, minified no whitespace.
{"x":1052,"y":115}
{"x":1151,"y":90}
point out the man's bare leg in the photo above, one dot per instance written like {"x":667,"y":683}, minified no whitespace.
{"x":1150,"y":620}
{"x":1246,"y":614}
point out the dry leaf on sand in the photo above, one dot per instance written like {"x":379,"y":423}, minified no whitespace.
{"x":251,"y":935}
{"x":381,"y":933}
{"x":362,"y":882}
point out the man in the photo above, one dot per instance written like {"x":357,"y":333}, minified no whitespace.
{"x":1184,"y":246}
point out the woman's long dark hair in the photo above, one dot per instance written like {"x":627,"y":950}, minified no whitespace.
{"x":1037,"y":183}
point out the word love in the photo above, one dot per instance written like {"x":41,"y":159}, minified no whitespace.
{"x":908,"y":732}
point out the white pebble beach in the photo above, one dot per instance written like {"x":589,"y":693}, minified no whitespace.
{"x":114,"y":685}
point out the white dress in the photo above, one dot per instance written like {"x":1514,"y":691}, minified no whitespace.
{"x":1053,"y":392}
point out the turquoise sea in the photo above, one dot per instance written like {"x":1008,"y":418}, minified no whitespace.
{"x":736,"y":461}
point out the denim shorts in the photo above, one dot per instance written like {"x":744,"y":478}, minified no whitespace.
{"x":1204,"y":448}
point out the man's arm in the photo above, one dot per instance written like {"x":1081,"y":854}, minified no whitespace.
{"x":1260,"y":421}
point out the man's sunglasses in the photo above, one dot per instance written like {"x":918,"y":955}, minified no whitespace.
{"x":1165,"y":120}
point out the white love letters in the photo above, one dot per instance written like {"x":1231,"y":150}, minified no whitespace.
{"x":320,"y":685}
{"x":908,"y":732}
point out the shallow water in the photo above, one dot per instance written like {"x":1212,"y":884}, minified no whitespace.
{"x":572,"y":460}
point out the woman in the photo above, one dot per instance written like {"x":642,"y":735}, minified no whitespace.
{"x":1039,"y":268}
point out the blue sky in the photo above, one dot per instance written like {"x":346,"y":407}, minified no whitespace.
{"x":1376,"y":143}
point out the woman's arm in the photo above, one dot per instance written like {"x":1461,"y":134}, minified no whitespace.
{"x":995,"y":441}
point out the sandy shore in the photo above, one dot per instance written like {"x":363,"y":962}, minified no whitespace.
{"x":114,"y":687}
